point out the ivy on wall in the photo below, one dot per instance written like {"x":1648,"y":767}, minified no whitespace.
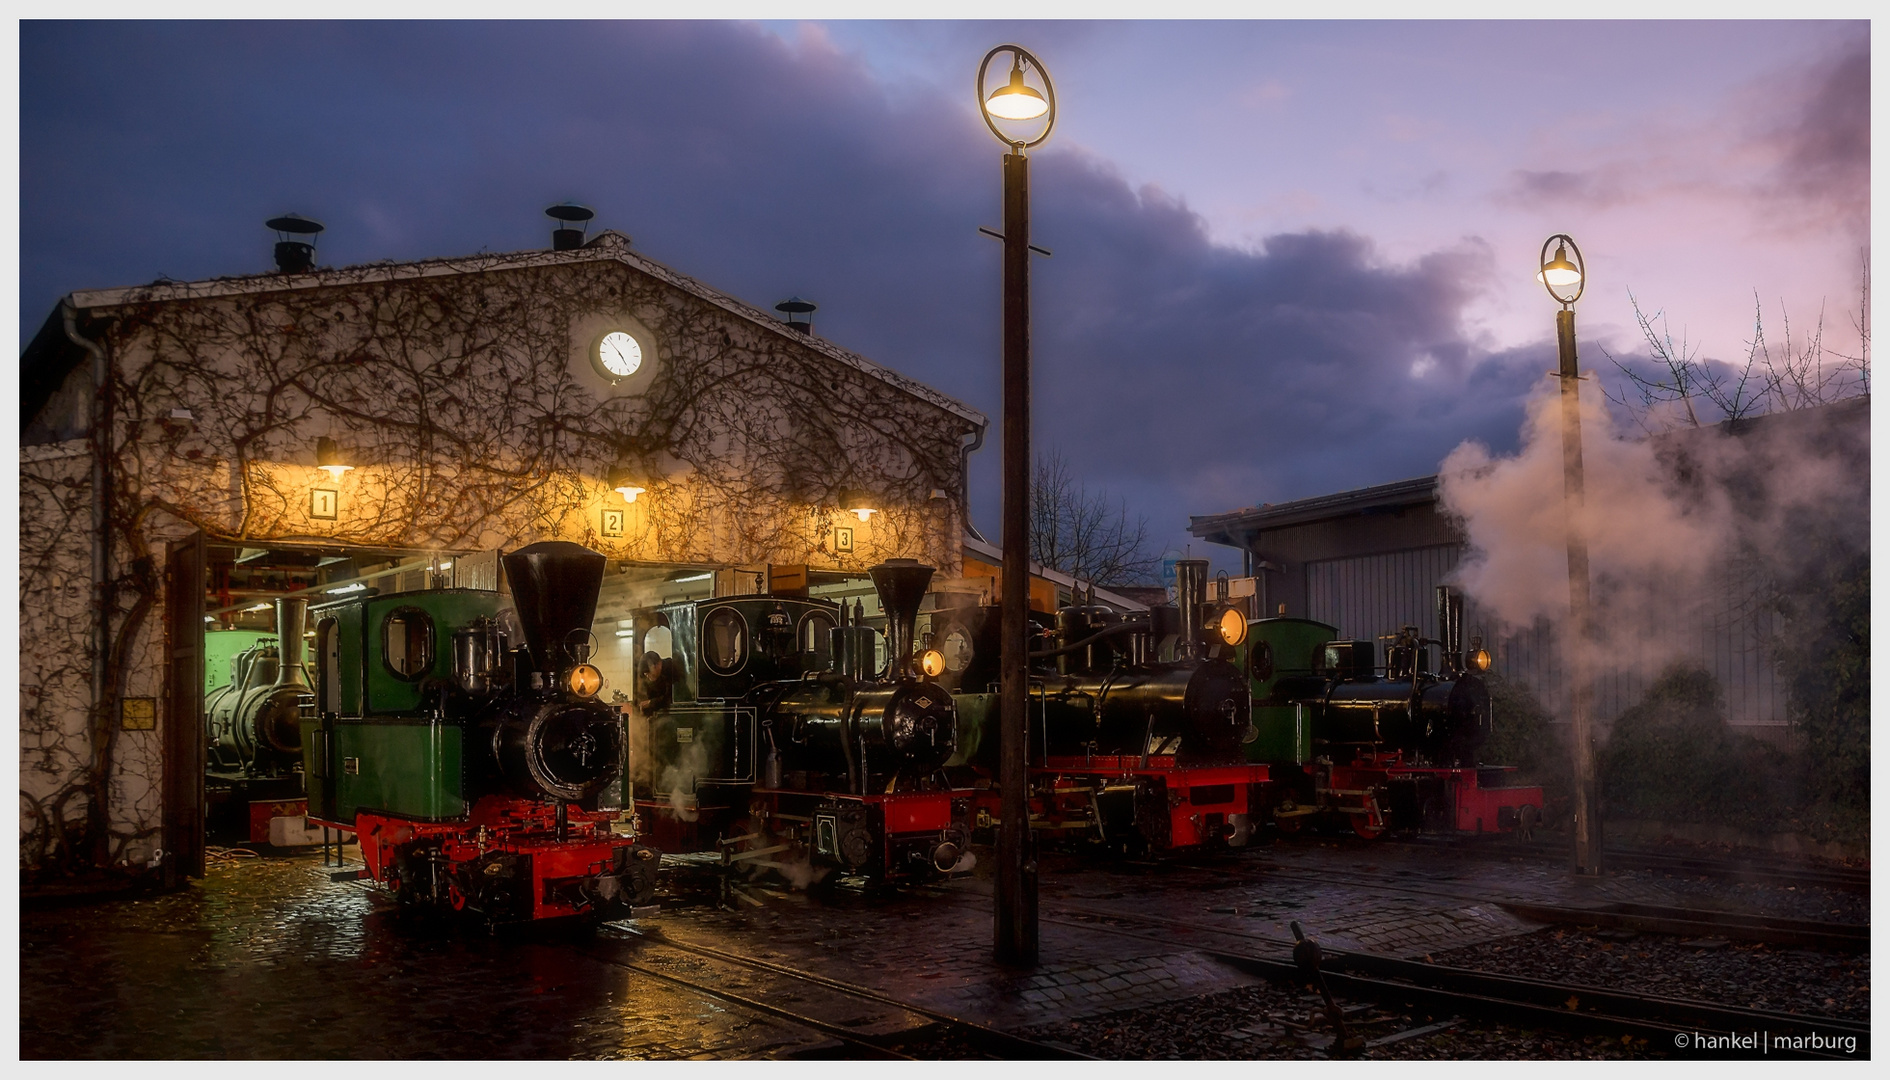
{"x":454,"y":389}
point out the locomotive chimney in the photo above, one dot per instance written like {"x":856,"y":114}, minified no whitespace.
{"x":1191,"y":599}
{"x":901,"y":584}
{"x":1450,"y":627}
{"x":291,"y":612}
{"x":554,"y":590}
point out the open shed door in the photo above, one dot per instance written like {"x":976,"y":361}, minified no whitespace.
{"x":183,"y":711}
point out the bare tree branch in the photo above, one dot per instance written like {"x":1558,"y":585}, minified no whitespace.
{"x":1080,"y":532}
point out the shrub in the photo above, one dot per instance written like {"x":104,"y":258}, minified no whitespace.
{"x":1672,"y":757}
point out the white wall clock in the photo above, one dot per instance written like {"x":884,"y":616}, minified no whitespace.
{"x":617,"y":355}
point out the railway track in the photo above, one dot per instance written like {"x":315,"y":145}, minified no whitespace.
{"x":1441,"y":990}
{"x":860,"y":1023}
{"x":1646,"y":918}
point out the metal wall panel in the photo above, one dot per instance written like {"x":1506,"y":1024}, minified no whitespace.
{"x":1726,"y":630}
{"x":1372,"y":596}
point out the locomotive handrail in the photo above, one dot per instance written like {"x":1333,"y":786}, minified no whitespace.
{"x":1119,"y":628}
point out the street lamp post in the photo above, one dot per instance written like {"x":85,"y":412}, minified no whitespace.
{"x":1015,"y":929}
{"x":1565,"y":280}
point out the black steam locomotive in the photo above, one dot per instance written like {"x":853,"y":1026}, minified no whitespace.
{"x":464,"y":745}
{"x":1136,"y":722}
{"x":1397,"y":750}
{"x":789,"y":746}
{"x":253,"y":736}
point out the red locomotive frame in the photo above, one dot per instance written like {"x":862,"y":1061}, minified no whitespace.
{"x":560,"y":858}
{"x":1358,"y":788}
{"x":1205,"y":803}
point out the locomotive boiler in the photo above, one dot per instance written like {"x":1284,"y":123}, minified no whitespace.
{"x":252,"y":736}
{"x":462,"y":741}
{"x":254,"y":722}
{"x":1136,"y":720}
{"x":1397,"y":749}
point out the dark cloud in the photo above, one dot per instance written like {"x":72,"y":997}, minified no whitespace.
{"x":1186,"y":376}
{"x":1825,"y":145}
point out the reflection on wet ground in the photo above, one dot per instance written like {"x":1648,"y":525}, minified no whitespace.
{"x":269,"y":959}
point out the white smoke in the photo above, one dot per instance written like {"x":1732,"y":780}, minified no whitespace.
{"x":679,"y":778}
{"x":1678,"y":526}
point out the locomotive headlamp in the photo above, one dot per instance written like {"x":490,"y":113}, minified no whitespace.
{"x":1231,"y":624}
{"x":328,"y":457}
{"x":932,"y":662}
{"x":625,"y":484}
{"x":584,"y":681}
{"x":1480,"y":660}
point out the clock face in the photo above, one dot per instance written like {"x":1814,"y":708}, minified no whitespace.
{"x":619,"y":355}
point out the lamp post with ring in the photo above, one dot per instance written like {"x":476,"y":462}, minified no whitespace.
{"x":1565,"y":277}
{"x":1015,"y":929}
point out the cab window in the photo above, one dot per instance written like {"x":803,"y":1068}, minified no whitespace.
{"x":407,"y":643}
{"x":725,"y":641}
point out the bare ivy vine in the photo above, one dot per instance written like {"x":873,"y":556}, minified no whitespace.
{"x":450,"y":385}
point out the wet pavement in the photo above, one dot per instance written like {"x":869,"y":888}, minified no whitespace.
{"x":269,"y":958}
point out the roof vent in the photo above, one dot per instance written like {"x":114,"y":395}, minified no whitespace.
{"x":576,"y":220}
{"x":793,"y":306}
{"x":298,"y":255}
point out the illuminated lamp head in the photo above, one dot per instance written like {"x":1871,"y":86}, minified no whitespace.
{"x":1230,"y":624}
{"x":328,"y":457}
{"x":1479,"y":658}
{"x":584,"y":681}
{"x":932,"y":663}
{"x":858,"y":503}
{"x":625,"y":483}
{"x":1014,"y":100}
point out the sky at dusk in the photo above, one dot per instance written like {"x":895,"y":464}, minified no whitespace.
{"x":1290,"y":257}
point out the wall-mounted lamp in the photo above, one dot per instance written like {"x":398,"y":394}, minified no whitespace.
{"x":328,"y":457}
{"x":625,"y":483}
{"x":858,"y":503}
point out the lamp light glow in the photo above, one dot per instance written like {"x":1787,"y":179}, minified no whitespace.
{"x":858,"y":503}
{"x":1560,"y":272}
{"x":625,"y":483}
{"x":1565,"y":275}
{"x":1232,"y":625}
{"x":932,"y":662}
{"x":584,"y":681}
{"x":1014,"y":100}
{"x":328,"y":457}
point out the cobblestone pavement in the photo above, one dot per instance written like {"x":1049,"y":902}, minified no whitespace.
{"x":269,"y":958}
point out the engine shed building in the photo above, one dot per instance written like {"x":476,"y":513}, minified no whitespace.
{"x":191,"y":451}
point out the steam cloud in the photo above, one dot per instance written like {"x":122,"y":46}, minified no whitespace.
{"x":1684,"y":529}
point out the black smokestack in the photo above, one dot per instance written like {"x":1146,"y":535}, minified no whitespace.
{"x":901,"y":584}
{"x":554,"y":589}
